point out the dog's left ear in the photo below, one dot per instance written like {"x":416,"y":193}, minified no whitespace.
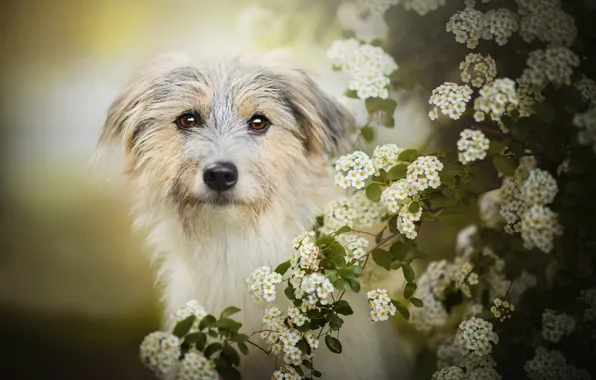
{"x":326,"y":123}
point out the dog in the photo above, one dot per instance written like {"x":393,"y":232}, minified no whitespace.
{"x":227,"y":162}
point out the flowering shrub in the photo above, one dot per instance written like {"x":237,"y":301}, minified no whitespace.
{"x":518,"y":298}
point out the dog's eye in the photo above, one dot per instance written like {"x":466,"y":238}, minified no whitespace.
{"x":258,"y":123}
{"x":187,"y":120}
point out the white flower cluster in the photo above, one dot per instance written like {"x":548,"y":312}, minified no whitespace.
{"x":192,"y":307}
{"x":472,"y":146}
{"x":448,"y":353}
{"x":539,"y":227}
{"x":353,"y":169}
{"x":422,"y":7}
{"x":552,"y":65}
{"x":312,"y":289}
{"x":451,"y":98}
{"x":502,"y":309}
{"x":478,"y":69}
{"x":385,"y":157}
{"x":261,"y":284}
{"x":368,"y":66}
{"x":381,"y":306}
{"x":354,"y":211}
{"x":586,"y":123}
{"x":552,"y":365}
{"x":283,"y":339}
{"x":431,"y":290}
{"x":377,"y":5}
{"x":555,"y":326}
{"x":489,"y":204}
{"x":355,"y":246}
{"x":306,"y":252}
{"x":587,"y":89}
{"x":420,"y":175}
{"x":450,"y":373}
{"x":160,"y":351}
{"x":524,"y":198}
{"x":464,"y":278}
{"x":540,"y":188}
{"x":544,"y":20}
{"x":475,"y":336}
{"x":494,"y":99}
{"x":500,"y":24}
{"x":468,"y":26}
{"x":286,"y":373}
{"x":196,"y":367}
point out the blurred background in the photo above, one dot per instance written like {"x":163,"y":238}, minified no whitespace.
{"x":76,"y":290}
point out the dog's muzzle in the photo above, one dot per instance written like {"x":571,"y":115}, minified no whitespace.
{"x":220,"y":176}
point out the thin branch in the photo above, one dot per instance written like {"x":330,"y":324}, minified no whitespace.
{"x":259,"y":347}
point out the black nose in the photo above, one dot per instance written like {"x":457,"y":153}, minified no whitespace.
{"x":220,"y":176}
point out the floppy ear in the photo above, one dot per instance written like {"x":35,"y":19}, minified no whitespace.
{"x":128,"y":107}
{"x":327,"y":123}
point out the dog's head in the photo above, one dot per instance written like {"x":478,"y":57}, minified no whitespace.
{"x":222,"y":135}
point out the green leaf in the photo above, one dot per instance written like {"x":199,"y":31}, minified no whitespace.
{"x":346,"y":272}
{"x":354,"y":284}
{"x":230,"y":355}
{"x":230,"y":373}
{"x":408,"y":272}
{"x":221,"y":365}
{"x":289,"y":292}
{"x":307,"y":364}
{"x":413,"y":254}
{"x":373,"y":192}
{"x":396,"y":265}
{"x":414,"y":208}
{"x":392,"y":224}
{"x":388,"y":120}
{"x":409,"y":289}
{"x":437,"y":200}
{"x":377,"y":104}
{"x":333,"y":344}
{"x":351,"y":94}
{"x":397,"y":172}
{"x":544,"y":111}
{"x":283,"y":267}
{"x":343,"y":307}
{"x":336,"y":249}
{"x":408,"y":155}
{"x":379,"y":236}
{"x":428,"y":215}
{"x":243,"y":348}
{"x":398,"y":250}
{"x":228,"y":324}
{"x":231,"y":310}
{"x":402,"y":310}
{"x":335,"y":321}
{"x":505,"y":165}
{"x":341,"y":284}
{"x":212,"y":349}
{"x":316,"y":373}
{"x":447,"y":179}
{"x":332,"y":275}
{"x":416,"y":302}
{"x":325,"y":240}
{"x":207,"y":321}
{"x":382,"y":258}
{"x":239,"y":338}
{"x":198,"y":339}
{"x":451,"y":218}
{"x":368,"y":134}
{"x":327,"y":264}
{"x":183,"y":327}
{"x":496,"y":147}
{"x":344,"y":229}
{"x":357,"y":270}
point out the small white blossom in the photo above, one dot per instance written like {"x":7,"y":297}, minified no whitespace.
{"x":449,"y":373}
{"x":355,"y":246}
{"x":381,"y":306}
{"x":354,"y":211}
{"x":261,"y":284}
{"x":555,"y":326}
{"x":586,"y":123}
{"x":495,"y":98}
{"x":587,"y":89}
{"x":368,"y":66}
{"x":192,"y":307}
{"x":539,"y":227}
{"x":422,"y":7}
{"x":464,"y":278}
{"x":472,"y":146}
{"x":378,"y":5}
{"x":489,"y":204}
{"x":306,"y":252}
{"x":196,"y":367}
{"x":313,"y":289}
{"x":385,"y":157}
{"x":451,"y":98}
{"x":467,"y":26}
{"x":160,"y":351}
{"x":353,"y":169}
{"x":546,"y":21}
{"x":552,"y":365}
{"x":431,"y":290}
{"x":478,"y":69}
{"x":500,"y":24}
{"x":540,"y":188}
{"x":286,"y":373}
{"x":476,"y":336}
{"x":502,"y":309}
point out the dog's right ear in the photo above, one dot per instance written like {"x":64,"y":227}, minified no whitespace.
{"x":128,"y":107}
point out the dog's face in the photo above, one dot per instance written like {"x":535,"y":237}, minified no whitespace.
{"x":221,"y":135}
